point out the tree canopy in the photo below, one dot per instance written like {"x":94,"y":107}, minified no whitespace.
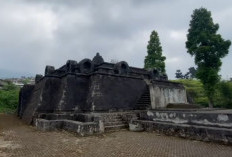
{"x":208,"y":48}
{"x":154,"y":58}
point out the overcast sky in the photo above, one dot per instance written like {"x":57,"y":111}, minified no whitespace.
{"x":36,"y":33}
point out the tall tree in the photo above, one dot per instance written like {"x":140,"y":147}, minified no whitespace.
{"x":154,"y":58}
{"x":208,"y":48}
{"x":179,"y":74}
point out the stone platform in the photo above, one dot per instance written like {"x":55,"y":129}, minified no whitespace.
{"x":204,"y":124}
{"x":85,"y":123}
{"x":199,"y":124}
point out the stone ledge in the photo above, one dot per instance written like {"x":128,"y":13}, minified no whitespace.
{"x":204,"y":133}
{"x":81,"y":128}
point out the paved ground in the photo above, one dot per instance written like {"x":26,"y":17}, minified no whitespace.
{"x":20,"y":140}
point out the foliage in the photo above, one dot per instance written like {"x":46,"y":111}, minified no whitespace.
{"x":189,"y":75}
{"x":194,"y":89}
{"x":192,"y":72}
{"x":26,"y":81}
{"x":208,"y":48}
{"x":9,"y":98}
{"x":154,"y":59}
{"x":179,"y":74}
{"x":223,"y":93}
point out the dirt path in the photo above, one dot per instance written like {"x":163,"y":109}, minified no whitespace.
{"x":20,"y":140}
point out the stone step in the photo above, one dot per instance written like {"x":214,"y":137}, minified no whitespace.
{"x":115,"y":123}
{"x":146,"y":95}
{"x":144,"y":99}
{"x":115,"y":127}
{"x":113,"y":120}
{"x":142,"y":107}
{"x":143,"y":102}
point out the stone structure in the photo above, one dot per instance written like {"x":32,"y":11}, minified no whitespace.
{"x":97,"y":86}
{"x":94,"y":96}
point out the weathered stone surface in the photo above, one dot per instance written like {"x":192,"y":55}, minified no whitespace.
{"x":71,"y":65}
{"x":86,"y":66}
{"x":206,"y":125}
{"x":121,"y":68}
{"x":24,"y":96}
{"x":38,"y":77}
{"x":136,"y":127}
{"x":49,"y":70}
{"x":87,"y":128}
{"x":163,"y":93}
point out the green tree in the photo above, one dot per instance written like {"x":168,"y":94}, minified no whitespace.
{"x":224,"y":97}
{"x":179,"y":74}
{"x":154,"y":58}
{"x":208,"y":48}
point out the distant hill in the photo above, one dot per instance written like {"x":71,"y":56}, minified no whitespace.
{"x":12,"y":74}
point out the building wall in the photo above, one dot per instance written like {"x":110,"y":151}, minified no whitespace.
{"x":109,"y":92}
{"x":162,"y":93}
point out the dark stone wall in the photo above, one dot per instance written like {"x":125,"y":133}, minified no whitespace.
{"x":54,"y":94}
{"x":109,"y":92}
{"x":75,"y":90}
{"x":51,"y":91}
{"x":33,"y":103}
{"x":24,"y":97}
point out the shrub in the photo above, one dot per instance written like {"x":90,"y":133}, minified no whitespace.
{"x":223,"y":96}
{"x":9,"y":98}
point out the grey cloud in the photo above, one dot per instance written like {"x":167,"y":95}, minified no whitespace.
{"x":57,"y":30}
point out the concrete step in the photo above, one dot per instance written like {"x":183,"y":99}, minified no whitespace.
{"x":115,"y":123}
{"x":115,"y":127}
{"x":145,"y":99}
{"x":142,"y":105}
{"x":143,"y":102}
{"x":113,"y":120}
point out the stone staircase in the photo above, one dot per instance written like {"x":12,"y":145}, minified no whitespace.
{"x":114,"y":123}
{"x":145,"y":101}
{"x":85,"y":123}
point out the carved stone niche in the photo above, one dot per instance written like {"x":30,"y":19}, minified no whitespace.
{"x":86,"y":66}
{"x":38,"y":77}
{"x":164,"y":77}
{"x":121,"y":68}
{"x":49,"y":70}
{"x":97,"y":60}
{"x":154,"y":74}
{"x":71,"y":66}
